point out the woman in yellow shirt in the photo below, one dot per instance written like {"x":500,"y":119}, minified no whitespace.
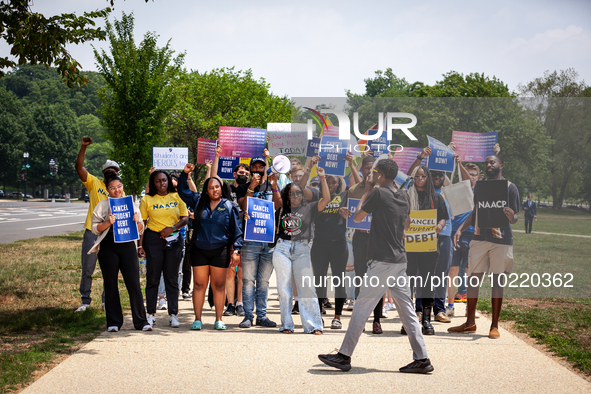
{"x":164,"y":214}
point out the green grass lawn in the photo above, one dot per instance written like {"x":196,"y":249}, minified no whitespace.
{"x":566,"y":221}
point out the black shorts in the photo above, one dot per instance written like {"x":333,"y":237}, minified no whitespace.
{"x":219,"y":257}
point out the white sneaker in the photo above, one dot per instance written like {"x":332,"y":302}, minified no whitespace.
{"x":82,"y":308}
{"x":162,"y":304}
{"x":151,"y":319}
{"x":384,"y":314}
{"x":174,"y":321}
{"x":450,"y":311}
{"x":389,"y":307}
{"x":147,"y":327}
{"x":113,"y":329}
{"x":351,"y":305}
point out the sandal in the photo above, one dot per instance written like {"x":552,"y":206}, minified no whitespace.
{"x":316,"y":332}
{"x":197,"y":325}
{"x":287,"y":331}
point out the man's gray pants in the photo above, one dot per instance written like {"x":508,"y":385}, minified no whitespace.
{"x":88,"y":266}
{"x":386,"y":275}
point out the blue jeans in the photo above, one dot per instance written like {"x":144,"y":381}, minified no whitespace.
{"x":257,"y":267}
{"x":291,"y":260}
{"x":460,"y":259}
{"x":446,"y":247}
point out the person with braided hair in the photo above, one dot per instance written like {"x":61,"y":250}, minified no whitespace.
{"x":424,"y":197}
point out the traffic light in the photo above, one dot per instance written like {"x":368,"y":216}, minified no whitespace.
{"x":23,"y":177}
{"x":51,"y":171}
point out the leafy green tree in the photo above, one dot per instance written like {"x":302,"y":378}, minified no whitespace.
{"x":559,"y":102}
{"x":222,"y":97}
{"x":137,"y":97}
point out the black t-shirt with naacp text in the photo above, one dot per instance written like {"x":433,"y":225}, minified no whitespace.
{"x":329,"y":225}
{"x":389,"y":209}
{"x":296,"y":223}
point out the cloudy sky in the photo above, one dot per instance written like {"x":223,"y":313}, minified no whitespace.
{"x":323,"y":48}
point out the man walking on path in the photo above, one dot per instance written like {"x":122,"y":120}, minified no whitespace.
{"x":390,"y":208}
{"x":97,"y":192}
{"x":491,"y":250}
{"x":531,"y":213}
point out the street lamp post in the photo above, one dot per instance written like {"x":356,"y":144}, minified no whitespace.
{"x":52,"y":172}
{"x":26,"y":156}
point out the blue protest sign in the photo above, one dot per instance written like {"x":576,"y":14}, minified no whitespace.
{"x":313,"y":145}
{"x":226,"y":167}
{"x":365,"y":224}
{"x":442,"y":157}
{"x":124,"y":228}
{"x":332,"y":154}
{"x":261,"y":225}
{"x":379,"y":146}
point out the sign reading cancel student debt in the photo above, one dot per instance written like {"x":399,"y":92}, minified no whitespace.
{"x":333,"y":152}
{"x":421,"y":235}
{"x":124,"y":228}
{"x":365,"y":224}
{"x":261,"y":225}
{"x":490,"y":199}
{"x":474,"y":146}
{"x":170,"y":158}
{"x":242,"y":141}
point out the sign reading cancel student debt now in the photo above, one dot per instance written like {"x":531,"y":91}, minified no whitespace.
{"x":421,"y":235}
{"x":333,"y":152}
{"x":442,"y":157}
{"x":261,"y":225}
{"x":169,"y":158}
{"x":124,"y":228}
{"x":365,"y":224}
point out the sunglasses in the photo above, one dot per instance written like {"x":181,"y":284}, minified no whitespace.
{"x":437,"y":175}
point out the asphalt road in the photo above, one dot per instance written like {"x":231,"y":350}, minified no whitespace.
{"x":32,"y":219}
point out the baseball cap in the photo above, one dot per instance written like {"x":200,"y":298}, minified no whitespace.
{"x":111,"y":163}
{"x":316,"y":179}
{"x":257,"y":160}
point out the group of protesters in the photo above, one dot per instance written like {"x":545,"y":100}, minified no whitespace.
{"x":201,"y":234}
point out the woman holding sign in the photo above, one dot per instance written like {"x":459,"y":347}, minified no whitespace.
{"x":164,"y":214}
{"x":114,"y":257}
{"x":291,"y":258}
{"x":217,"y":242}
{"x":422,"y":263}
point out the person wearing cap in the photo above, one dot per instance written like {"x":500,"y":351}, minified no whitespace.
{"x":257,"y":257}
{"x":97,"y":191}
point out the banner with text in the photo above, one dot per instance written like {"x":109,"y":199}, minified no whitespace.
{"x":205,"y":149}
{"x":242,"y":141}
{"x":405,"y":157}
{"x":442,"y":156}
{"x":474,"y":146}
{"x":124,"y":228}
{"x":261,"y":225}
{"x":226,"y":167}
{"x":164,"y":158}
{"x":421,"y":235}
{"x":365,"y":224}
{"x":290,"y":139}
{"x":332,"y":156}
{"x":491,"y":197}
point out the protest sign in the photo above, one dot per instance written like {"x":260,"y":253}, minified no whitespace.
{"x":365,"y":224}
{"x":330,"y":131}
{"x":205,"y":149}
{"x":490,"y":199}
{"x":405,"y":157}
{"x":332,"y":155}
{"x":242,"y":141}
{"x":474,"y":146}
{"x":226,"y":167}
{"x":261,"y":225}
{"x":290,"y":139}
{"x":312,"y":149}
{"x":169,"y":158}
{"x":442,"y":156}
{"x":124,"y":228}
{"x":379,"y":146}
{"x":421,"y":235}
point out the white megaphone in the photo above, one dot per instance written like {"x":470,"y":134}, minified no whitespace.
{"x":281,"y":165}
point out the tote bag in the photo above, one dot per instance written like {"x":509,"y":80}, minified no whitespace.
{"x":459,"y":196}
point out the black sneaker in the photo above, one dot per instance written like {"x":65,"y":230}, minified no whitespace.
{"x":323,"y":311}
{"x":418,"y":366}
{"x":296,"y":309}
{"x":240,"y":310}
{"x":339,"y":361}
{"x":265,"y":322}
{"x":230,"y":310}
{"x":327,"y":303}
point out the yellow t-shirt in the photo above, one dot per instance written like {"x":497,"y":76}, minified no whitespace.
{"x":97,"y":192}
{"x":162,"y":211}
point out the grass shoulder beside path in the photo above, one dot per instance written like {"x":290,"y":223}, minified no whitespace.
{"x":39,"y":281}
{"x":565,"y":221}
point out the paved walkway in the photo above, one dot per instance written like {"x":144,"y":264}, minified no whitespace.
{"x":566,"y":235}
{"x":264,"y":360}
